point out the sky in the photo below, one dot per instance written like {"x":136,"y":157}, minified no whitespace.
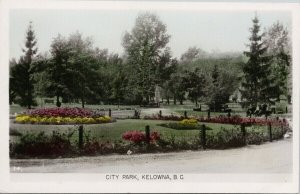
{"x":221,"y":31}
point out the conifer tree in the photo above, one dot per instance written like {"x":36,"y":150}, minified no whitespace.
{"x":21,"y":79}
{"x":258,"y":85}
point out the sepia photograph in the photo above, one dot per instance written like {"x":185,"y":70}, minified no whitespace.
{"x":117,"y":94}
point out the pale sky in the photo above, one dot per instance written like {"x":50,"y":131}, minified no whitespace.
{"x":209,"y":30}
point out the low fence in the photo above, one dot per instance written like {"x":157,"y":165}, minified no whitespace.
{"x":202,"y":134}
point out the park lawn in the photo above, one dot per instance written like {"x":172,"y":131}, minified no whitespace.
{"x":113,"y":131}
{"x":16,"y":109}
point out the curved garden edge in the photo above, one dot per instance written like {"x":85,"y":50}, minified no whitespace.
{"x":62,"y":143}
{"x":124,"y":156}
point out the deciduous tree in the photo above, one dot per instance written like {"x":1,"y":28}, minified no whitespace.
{"x":145,"y":46}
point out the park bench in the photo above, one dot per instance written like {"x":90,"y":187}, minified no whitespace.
{"x":150,"y":104}
{"x":50,"y":101}
{"x":262,"y":110}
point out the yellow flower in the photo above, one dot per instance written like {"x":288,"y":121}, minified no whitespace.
{"x":189,"y":122}
{"x":23,"y":118}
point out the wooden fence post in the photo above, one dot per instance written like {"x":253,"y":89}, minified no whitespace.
{"x":147,"y":130}
{"x":243,"y":130}
{"x":80,"y":136}
{"x":109,"y":112}
{"x":270,"y":131}
{"x":208,"y":114}
{"x":160,"y":114}
{"x":228,"y":114}
{"x":185,"y":114}
{"x":203,"y":136}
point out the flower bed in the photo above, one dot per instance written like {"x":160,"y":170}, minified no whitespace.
{"x":184,"y":124}
{"x":167,"y":117}
{"x":237,"y":120}
{"x":60,"y":144}
{"x":61,"y":112}
{"x":60,"y":116}
{"x":222,"y":119}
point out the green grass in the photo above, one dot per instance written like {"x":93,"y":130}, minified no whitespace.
{"x":113,"y":131}
{"x":16,"y":109}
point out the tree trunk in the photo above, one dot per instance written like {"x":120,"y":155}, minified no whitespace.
{"x":174,"y":99}
{"x":28,"y":87}
{"x":58,"y":104}
{"x":28,"y":99}
{"x":28,"y":96}
{"x":82,"y":102}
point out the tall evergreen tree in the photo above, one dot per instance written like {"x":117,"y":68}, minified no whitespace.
{"x":21,"y":79}
{"x":258,"y":85}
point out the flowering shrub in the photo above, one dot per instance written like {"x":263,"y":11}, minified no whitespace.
{"x":139,"y":136}
{"x":61,"y":120}
{"x":166,"y":117}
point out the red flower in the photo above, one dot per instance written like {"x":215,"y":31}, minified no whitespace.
{"x":237,"y":120}
{"x":61,"y":112}
{"x":139,"y":136}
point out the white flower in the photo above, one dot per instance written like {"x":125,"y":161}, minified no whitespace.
{"x":129,"y":152}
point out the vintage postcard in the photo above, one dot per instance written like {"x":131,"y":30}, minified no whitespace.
{"x":141,"y":96}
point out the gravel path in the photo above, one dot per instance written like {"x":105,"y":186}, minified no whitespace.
{"x":151,"y":111}
{"x":275,"y":157}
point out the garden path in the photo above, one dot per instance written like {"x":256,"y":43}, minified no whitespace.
{"x":151,"y":111}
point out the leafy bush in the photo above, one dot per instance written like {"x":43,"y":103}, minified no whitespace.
{"x":95,"y":147}
{"x":40,"y":144}
{"x":171,"y":143}
{"x":256,"y":138}
{"x":225,"y":138}
{"x":14,"y":132}
{"x":280,"y":107}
